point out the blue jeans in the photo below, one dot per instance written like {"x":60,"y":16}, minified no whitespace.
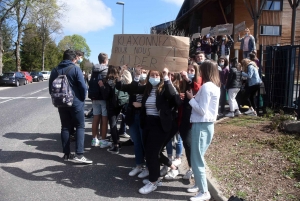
{"x":136,"y":135}
{"x":69,"y":119}
{"x":178,"y":146}
{"x":202,"y":134}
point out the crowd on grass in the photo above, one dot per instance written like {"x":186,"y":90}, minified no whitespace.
{"x":160,"y":107}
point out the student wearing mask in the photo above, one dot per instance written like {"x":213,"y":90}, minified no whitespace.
{"x":224,"y":46}
{"x":191,"y":81}
{"x":199,"y":57}
{"x":159,"y":103}
{"x":204,"y":114}
{"x":247,"y":43}
{"x":224,"y":71}
{"x":132,"y":119}
{"x":206,"y":46}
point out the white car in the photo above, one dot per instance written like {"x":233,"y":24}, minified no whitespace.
{"x":46,"y":74}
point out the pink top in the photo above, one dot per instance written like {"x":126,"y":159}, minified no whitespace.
{"x":246,"y":42}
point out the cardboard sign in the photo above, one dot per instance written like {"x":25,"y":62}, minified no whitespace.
{"x":224,"y":29}
{"x":196,"y":35}
{"x":205,"y":31}
{"x":239,"y":27}
{"x":151,"y":51}
{"x":213,"y":31}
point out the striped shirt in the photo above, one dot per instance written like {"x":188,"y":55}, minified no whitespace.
{"x":151,"y":103}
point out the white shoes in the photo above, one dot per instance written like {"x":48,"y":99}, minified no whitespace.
{"x":249,"y":111}
{"x":95,"y":142}
{"x":164,"y":171}
{"x":237,"y":113}
{"x":135,"y":171}
{"x":172,"y":174}
{"x":144,"y":173}
{"x":229,"y":114}
{"x":158,"y":183}
{"x":201,"y":197}
{"x":176,"y":161}
{"x":188,"y":174}
{"x":105,"y":144}
{"x":193,"y":189}
{"x":148,"y":188}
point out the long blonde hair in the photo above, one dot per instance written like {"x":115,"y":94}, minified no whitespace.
{"x":246,"y":62}
{"x":209,"y":72}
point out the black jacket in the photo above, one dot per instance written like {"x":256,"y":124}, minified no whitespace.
{"x":234,"y":78}
{"x":167,"y":102}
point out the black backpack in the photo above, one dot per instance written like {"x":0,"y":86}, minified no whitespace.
{"x":98,"y":73}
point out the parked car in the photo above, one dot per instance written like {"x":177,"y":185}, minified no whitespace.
{"x":27,"y":76}
{"x":12,"y":78}
{"x":37,"y":76}
{"x":46,"y":74}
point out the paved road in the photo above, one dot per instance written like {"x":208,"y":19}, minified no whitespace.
{"x":31,"y":167}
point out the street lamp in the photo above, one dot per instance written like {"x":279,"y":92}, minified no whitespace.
{"x":122,"y":3}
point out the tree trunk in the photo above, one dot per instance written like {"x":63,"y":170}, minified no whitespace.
{"x":43,"y":52}
{"x":1,"y":51}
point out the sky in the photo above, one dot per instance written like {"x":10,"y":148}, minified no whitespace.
{"x":98,"y":20}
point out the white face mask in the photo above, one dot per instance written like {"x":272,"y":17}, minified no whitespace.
{"x":143,"y":77}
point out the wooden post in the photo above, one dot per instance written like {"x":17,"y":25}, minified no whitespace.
{"x":294,"y":5}
{"x":223,"y":11}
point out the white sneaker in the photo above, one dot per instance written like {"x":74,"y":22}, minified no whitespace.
{"x":105,"y":144}
{"x":95,"y":142}
{"x":172,"y":174}
{"x":237,"y":113}
{"x":193,"y":189}
{"x":81,"y":159}
{"x":125,"y":135}
{"x":201,"y":197}
{"x":144,"y":173}
{"x":249,"y":111}
{"x":188,"y":174}
{"x":229,"y":114}
{"x":135,"y":171}
{"x":158,"y":183}
{"x":148,"y":188}
{"x":252,"y":114}
{"x":164,"y":171}
{"x":176,"y":161}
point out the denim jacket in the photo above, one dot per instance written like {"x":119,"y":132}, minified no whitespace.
{"x":252,"y":75}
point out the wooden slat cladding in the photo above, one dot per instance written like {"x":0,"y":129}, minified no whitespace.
{"x":287,"y":23}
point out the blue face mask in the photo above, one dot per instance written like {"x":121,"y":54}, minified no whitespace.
{"x":191,"y":76}
{"x":79,"y":60}
{"x":154,"y":81}
{"x":143,"y":77}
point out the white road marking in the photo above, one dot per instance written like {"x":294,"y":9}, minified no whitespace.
{"x":24,"y":97}
{"x":38,"y":91}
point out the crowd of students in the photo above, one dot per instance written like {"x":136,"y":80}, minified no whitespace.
{"x":160,"y":107}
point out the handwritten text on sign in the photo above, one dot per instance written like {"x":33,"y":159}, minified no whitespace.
{"x":153,"y":52}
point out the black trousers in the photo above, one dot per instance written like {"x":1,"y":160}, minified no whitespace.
{"x":222,"y":100}
{"x":154,"y":139}
{"x":113,"y":119}
{"x":186,"y":137}
{"x":251,"y":94}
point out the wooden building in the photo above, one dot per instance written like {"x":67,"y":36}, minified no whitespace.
{"x":273,"y":27}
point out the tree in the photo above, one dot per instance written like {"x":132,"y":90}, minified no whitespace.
{"x":75,"y":42}
{"x":46,"y":14}
{"x":8,"y":49}
{"x":6,"y":7}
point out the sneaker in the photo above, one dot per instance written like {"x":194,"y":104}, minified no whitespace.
{"x":252,"y":114}
{"x":81,"y":159}
{"x":125,"y":135}
{"x":68,"y":157}
{"x":113,"y":150}
{"x":135,"y":171}
{"x":229,"y":114}
{"x":172,"y":174}
{"x":148,"y":188}
{"x":164,"y":171}
{"x":128,"y":143}
{"x":201,"y":197}
{"x":144,"y":173}
{"x":176,"y":161}
{"x":105,"y":144}
{"x":249,"y":111}
{"x":158,"y":183}
{"x":188,"y":174}
{"x":193,"y":189}
{"x":237,"y":113}
{"x":95,"y":142}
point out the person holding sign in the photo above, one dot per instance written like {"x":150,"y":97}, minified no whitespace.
{"x":157,"y":114}
{"x":224,"y":46}
{"x":247,"y":43}
{"x":204,"y":114}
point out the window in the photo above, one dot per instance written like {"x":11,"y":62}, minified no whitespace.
{"x":275,"y":5}
{"x":228,"y":9}
{"x":270,"y":30}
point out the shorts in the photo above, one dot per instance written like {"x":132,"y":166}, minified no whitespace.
{"x":99,"y":107}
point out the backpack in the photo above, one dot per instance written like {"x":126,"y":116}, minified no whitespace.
{"x":61,"y":92}
{"x":121,"y":97}
{"x":94,"y":88}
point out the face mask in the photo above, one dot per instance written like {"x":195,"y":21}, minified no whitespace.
{"x":222,"y":64}
{"x":143,"y":77}
{"x":223,"y":38}
{"x":206,"y":42}
{"x":154,"y":81}
{"x":247,"y":34}
{"x":79,"y":60}
{"x":198,"y":45}
{"x":191,"y":76}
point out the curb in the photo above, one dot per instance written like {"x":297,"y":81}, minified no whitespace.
{"x":212,"y":183}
